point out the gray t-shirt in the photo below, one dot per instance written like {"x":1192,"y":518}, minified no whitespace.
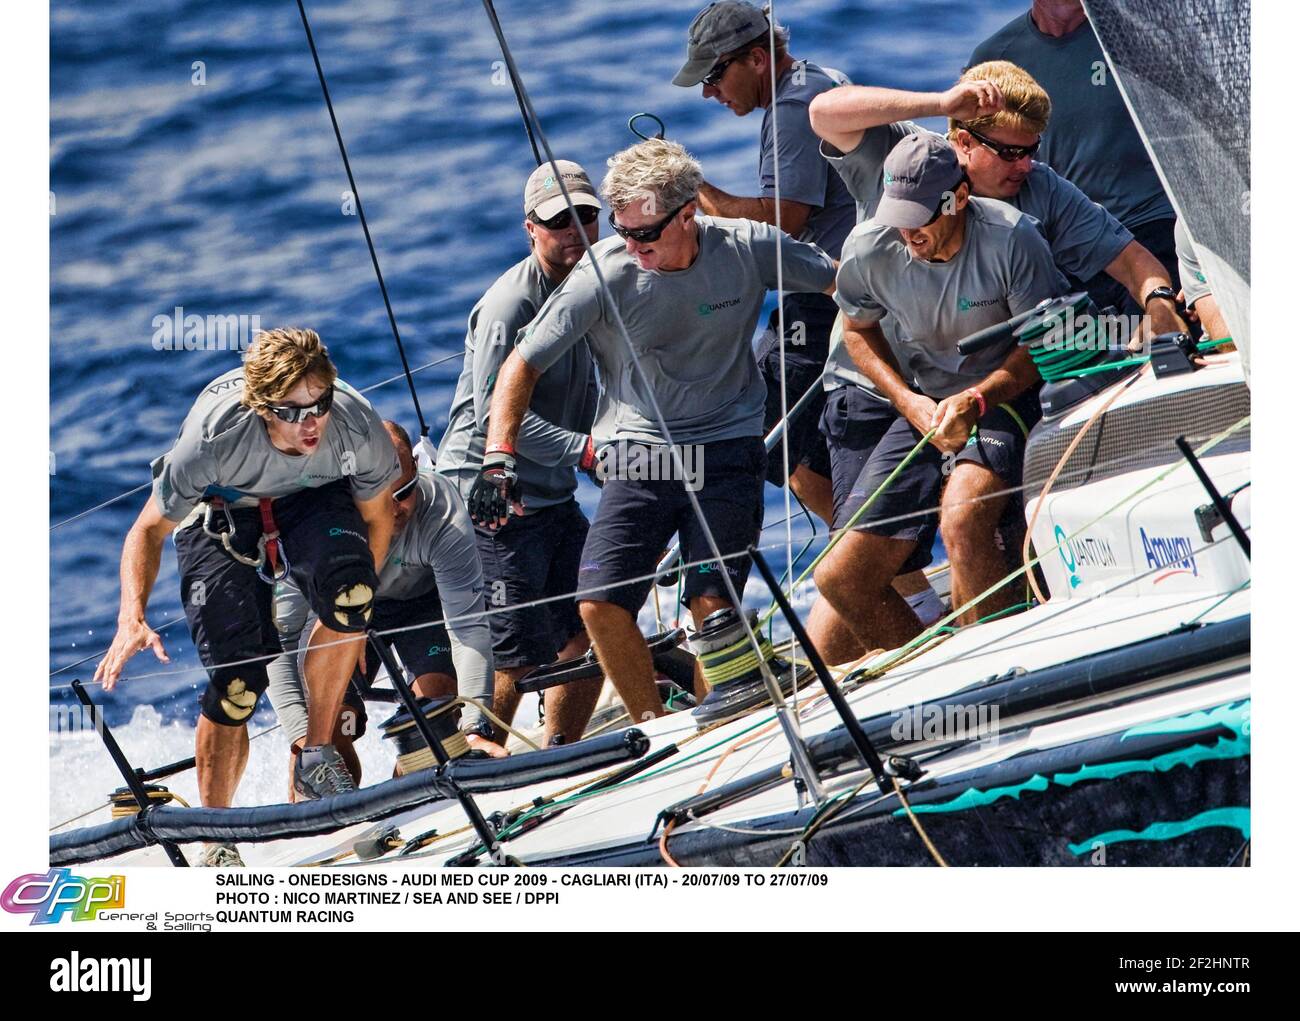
{"x":691,"y":330}
{"x":1090,"y":139}
{"x":224,"y":450}
{"x":554,"y":432}
{"x":1002,"y":268}
{"x":1190,"y":276}
{"x":436,"y":548}
{"x":805,"y":177}
{"x":863,"y":169}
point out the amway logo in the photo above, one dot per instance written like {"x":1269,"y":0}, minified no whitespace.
{"x":1174,"y":551}
{"x":102,"y":975}
{"x":49,"y":897}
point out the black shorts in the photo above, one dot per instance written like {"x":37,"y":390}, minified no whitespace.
{"x":533,"y":557}
{"x":228,"y":607}
{"x":907,"y":508}
{"x":804,"y":366}
{"x":422,"y":650}
{"x":637,"y":519}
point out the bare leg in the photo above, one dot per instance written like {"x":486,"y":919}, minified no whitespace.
{"x":814,"y":491}
{"x":701,"y":607}
{"x":569,"y":707}
{"x":342,"y":739}
{"x":220,"y":755}
{"x":436,"y":686}
{"x":833,"y":639}
{"x":624,"y":656}
{"x":967,"y":520}
{"x":328,"y":668}
{"x":911,"y":583}
{"x":856,"y":580}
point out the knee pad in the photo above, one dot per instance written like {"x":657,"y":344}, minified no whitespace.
{"x":346,"y":599}
{"x":232,"y":693}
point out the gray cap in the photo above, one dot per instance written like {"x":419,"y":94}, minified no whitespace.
{"x":715,"y":32}
{"x":542,"y":195}
{"x":919,"y":171}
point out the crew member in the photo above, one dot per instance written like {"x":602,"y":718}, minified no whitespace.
{"x":1091,"y":141}
{"x":1197,"y":293}
{"x":942,"y":265}
{"x":280,"y":470}
{"x":688,"y":291}
{"x":432,"y":578}
{"x":998,"y":116}
{"x":531,"y":565}
{"x":730,"y":52}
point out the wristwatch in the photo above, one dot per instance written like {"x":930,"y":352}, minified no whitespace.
{"x":1168,"y":293}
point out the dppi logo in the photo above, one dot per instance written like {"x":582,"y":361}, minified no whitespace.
{"x":1174,"y":552}
{"x":49,"y":897}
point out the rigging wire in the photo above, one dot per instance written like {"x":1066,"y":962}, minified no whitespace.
{"x":798,"y":751}
{"x":361,"y":214}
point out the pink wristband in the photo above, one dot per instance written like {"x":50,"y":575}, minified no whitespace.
{"x":979,"y":399}
{"x":500,"y":448}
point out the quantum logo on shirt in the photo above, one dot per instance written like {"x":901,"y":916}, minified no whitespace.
{"x":966,"y":304}
{"x":706,"y":309}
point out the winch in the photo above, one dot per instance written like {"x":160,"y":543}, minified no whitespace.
{"x":732,"y":668}
{"x":412,"y":753}
{"x":1074,"y":346}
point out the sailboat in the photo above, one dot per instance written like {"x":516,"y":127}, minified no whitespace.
{"x":1107,"y":724}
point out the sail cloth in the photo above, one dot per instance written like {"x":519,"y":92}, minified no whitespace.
{"x":1184,"y":71}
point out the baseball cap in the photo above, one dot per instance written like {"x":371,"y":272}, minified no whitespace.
{"x":715,"y":32}
{"x":542,"y":195}
{"x":919,"y":171}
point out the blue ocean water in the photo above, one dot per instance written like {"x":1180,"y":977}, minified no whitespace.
{"x":192,"y":165}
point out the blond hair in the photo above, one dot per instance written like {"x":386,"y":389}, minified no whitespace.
{"x":278,"y":359}
{"x":1028,"y":107}
{"x":658,"y":174}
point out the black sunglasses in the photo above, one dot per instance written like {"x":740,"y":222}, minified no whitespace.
{"x":719,"y":69}
{"x":647,"y":234}
{"x":407,"y":488}
{"x":586,"y":216}
{"x":293,"y":413}
{"x":1009,"y":153}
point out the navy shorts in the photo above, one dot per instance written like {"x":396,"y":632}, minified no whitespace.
{"x":907,"y":509}
{"x":852,"y":423}
{"x":229,"y":608}
{"x":533,"y":557}
{"x":637,"y":519}
{"x":804,"y":365}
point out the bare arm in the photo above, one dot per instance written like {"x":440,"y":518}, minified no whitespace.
{"x":843,"y":115}
{"x":870,"y":351}
{"x":1213,"y":325}
{"x":141,"y":555}
{"x":510,"y":399}
{"x":954,"y":416}
{"x":1140,"y":272}
{"x":716,"y":202}
{"x":377,"y":513}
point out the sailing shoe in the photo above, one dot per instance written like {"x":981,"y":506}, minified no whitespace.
{"x":320,"y":772}
{"x":220,"y":856}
